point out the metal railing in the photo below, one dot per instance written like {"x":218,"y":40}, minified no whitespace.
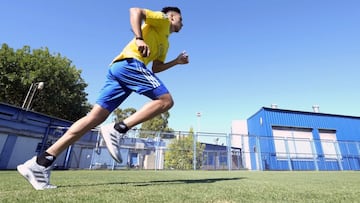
{"x":221,"y":151}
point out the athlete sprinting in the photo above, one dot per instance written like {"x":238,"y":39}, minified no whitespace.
{"x":127,"y":73}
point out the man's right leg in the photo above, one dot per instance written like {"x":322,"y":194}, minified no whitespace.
{"x":113,"y":132}
{"x":37,"y":169}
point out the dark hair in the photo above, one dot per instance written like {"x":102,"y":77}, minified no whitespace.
{"x":167,"y":9}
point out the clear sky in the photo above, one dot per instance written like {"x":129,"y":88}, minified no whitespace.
{"x":244,"y":54}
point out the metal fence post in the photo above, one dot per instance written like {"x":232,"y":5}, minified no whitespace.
{"x":338,"y":155}
{"x":229,"y":157}
{"x":67,"y":157}
{"x":194,"y":154}
{"x":242,"y":154}
{"x":314,"y":154}
{"x":44,"y":140}
{"x":258,"y":154}
{"x":288,"y":153}
{"x":157,"y":148}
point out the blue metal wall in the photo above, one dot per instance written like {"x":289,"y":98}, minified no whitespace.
{"x":262,"y":144}
{"x":16,"y":122}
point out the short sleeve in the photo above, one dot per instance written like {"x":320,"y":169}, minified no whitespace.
{"x":156,"y":18}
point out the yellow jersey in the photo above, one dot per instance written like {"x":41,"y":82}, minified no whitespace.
{"x":155,"y":31}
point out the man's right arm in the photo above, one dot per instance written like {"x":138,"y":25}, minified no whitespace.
{"x":137,"y":16}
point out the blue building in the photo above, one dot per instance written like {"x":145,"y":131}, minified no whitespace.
{"x":24,"y":134}
{"x":281,"y":139}
{"x":217,"y":157}
{"x":271,"y":139}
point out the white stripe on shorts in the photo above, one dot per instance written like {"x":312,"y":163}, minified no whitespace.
{"x":154,"y":82}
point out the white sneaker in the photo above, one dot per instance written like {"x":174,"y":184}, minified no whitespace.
{"x":112,"y":140}
{"x":38,"y":176}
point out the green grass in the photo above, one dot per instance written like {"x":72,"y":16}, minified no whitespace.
{"x":186,"y":186}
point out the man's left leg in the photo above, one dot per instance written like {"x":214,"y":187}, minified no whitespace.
{"x":37,"y":170}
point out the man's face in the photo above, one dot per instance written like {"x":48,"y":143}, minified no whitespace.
{"x":176,"y":21}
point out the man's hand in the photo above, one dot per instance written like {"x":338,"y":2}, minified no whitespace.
{"x":159,"y":66}
{"x":183,"y":58}
{"x":143,"y":48}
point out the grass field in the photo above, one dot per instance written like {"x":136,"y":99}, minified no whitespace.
{"x":186,"y":186}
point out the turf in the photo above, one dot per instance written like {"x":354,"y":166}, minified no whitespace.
{"x":186,"y":186}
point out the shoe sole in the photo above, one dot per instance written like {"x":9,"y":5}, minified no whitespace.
{"x":114,"y":155}
{"x":26,"y":173}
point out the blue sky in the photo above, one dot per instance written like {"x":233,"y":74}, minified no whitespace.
{"x":244,"y":54}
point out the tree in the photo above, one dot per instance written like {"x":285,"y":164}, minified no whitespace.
{"x":64,"y":93}
{"x":149,"y":128}
{"x":121,"y":114}
{"x":181,"y":151}
{"x":157,"y":124}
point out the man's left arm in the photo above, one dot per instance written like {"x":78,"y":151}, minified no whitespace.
{"x":159,"y":66}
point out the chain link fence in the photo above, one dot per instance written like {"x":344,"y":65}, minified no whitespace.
{"x":24,"y":134}
{"x":221,"y":151}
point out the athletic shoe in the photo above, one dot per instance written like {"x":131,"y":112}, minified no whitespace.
{"x":38,"y":176}
{"x":112,"y":140}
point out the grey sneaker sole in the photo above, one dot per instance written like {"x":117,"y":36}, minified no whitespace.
{"x":29,"y":176}
{"x":112,"y":146}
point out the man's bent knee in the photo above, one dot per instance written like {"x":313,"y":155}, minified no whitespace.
{"x":167,"y":101}
{"x":98,"y":114}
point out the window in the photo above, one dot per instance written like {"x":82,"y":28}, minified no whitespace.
{"x":328,"y":143}
{"x":293,"y":142}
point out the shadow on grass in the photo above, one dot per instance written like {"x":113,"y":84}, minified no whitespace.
{"x":157,"y":182}
{"x":185,"y":181}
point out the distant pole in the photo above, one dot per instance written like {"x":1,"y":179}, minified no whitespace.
{"x":198,"y":115}
{"x":31,"y":93}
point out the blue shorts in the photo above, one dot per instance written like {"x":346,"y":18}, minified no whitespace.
{"x":127,"y":76}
